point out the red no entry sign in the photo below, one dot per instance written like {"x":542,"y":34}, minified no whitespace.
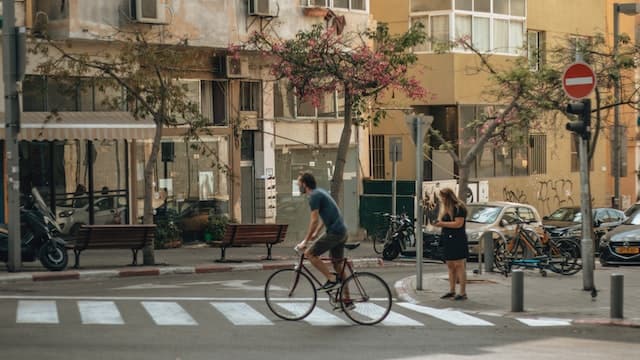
{"x":578,"y":80}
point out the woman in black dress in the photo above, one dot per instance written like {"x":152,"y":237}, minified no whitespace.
{"x":454,"y":240}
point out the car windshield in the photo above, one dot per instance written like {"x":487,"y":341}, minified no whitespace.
{"x":484,"y":214}
{"x":566,"y":214}
{"x":634,"y":219}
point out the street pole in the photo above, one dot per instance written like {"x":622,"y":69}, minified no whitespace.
{"x":615,"y":168}
{"x":394,"y":178}
{"x":418,"y":120}
{"x":12,"y":127}
{"x":586,"y":244}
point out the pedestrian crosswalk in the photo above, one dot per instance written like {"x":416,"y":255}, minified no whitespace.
{"x":249,"y":312}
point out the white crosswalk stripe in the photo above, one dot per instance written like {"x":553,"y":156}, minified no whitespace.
{"x":248,"y":312}
{"x":451,"y":316}
{"x":99,"y":312}
{"x":241,"y":313}
{"x":168,"y":313}
{"x":37,"y":312}
{"x":318,"y":317}
{"x":544,"y":321}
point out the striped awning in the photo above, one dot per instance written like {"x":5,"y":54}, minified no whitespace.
{"x":81,"y":126}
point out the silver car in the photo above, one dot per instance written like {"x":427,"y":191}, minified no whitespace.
{"x":106,"y":209}
{"x":498,"y":219}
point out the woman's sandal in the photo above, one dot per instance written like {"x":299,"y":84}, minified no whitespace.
{"x":460,"y":297}
{"x":448,"y":295}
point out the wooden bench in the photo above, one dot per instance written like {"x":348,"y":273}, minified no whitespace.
{"x":133,"y":237}
{"x":251,"y":234}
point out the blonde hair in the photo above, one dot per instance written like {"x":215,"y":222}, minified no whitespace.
{"x":449,"y":203}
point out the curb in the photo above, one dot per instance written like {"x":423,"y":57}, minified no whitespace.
{"x":170,"y":270}
{"x":405,"y":290}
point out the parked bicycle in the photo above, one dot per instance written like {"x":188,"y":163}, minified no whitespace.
{"x":384,"y":228}
{"x":364,"y":297}
{"x":530,"y":250}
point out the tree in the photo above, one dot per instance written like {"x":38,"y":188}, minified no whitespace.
{"x":319,"y":61}
{"x":527,"y":96}
{"x":148,"y":68}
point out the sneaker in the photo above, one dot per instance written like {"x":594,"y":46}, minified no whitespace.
{"x":448,"y":295}
{"x":460,"y":297}
{"x":329,"y":285}
{"x":348,"y":304}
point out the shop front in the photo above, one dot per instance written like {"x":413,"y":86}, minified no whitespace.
{"x":79,"y":162}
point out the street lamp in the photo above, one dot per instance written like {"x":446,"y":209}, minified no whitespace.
{"x":627,"y":9}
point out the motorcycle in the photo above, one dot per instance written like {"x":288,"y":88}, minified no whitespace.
{"x":402,"y":241}
{"x":39,"y":235}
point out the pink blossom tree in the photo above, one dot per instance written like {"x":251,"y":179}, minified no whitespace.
{"x":362,"y":65}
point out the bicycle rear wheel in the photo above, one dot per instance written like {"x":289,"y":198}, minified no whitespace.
{"x":370,"y":296}
{"x":379,"y":240}
{"x":564,"y":256}
{"x":290,"y":294}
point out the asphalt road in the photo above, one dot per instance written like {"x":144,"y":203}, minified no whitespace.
{"x":223,"y":316}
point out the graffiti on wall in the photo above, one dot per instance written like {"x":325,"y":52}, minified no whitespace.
{"x":550,"y":194}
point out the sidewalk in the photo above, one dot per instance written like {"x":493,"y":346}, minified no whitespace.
{"x":554,"y":296}
{"x":189,"y":259}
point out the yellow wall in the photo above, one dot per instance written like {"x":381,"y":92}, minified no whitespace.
{"x":452,"y":80}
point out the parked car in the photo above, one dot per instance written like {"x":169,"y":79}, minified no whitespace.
{"x":632,"y":209}
{"x":622,"y":244}
{"x":106,"y":211}
{"x":498,"y":217}
{"x":567,"y":222}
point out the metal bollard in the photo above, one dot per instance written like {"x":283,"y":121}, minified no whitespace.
{"x":517,"y":291}
{"x":488,"y":252}
{"x":617,"y":295}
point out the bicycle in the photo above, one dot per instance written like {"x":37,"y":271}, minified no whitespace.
{"x":530,"y":250}
{"x":383,"y":231}
{"x":363,"y":297}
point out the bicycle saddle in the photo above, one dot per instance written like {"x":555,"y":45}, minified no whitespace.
{"x":351,"y":246}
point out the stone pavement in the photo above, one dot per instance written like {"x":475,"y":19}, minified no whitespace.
{"x":552,"y":297}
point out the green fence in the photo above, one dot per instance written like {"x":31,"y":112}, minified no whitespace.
{"x":377,"y":199}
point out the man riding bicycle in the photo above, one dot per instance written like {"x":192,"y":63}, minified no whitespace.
{"x":324,"y":212}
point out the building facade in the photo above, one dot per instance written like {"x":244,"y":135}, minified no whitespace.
{"x":257,"y":130}
{"x":542,"y":170}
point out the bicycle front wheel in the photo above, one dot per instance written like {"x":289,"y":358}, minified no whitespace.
{"x":290,"y":294}
{"x":565,"y":255}
{"x":365,"y":298}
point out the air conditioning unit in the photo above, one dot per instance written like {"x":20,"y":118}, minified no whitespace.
{"x":237,"y":66}
{"x":259,"y":7}
{"x":148,"y":11}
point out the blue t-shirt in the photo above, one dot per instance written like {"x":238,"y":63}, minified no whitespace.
{"x":329,"y":212}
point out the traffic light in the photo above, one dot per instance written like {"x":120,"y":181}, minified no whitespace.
{"x":582,"y":126}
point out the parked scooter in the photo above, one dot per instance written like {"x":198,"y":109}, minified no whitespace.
{"x":403,"y":241}
{"x":39,"y":235}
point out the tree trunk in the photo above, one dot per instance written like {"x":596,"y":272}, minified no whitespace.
{"x":463,"y":180}
{"x":343,"y":149}
{"x":148,"y":255}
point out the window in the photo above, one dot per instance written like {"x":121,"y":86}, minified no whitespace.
{"x":41,"y":93}
{"x":538,"y":158}
{"x":287,"y":105}
{"x":337,"y":4}
{"x":249,"y":95}
{"x":213,"y":103}
{"x":492,"y":25}
{"x":377,"y":156}
{"x":535,"y":49}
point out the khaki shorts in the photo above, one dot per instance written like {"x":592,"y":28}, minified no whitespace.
{"x":332,"y":242}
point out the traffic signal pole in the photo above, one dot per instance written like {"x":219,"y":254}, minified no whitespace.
{"x":10,"y":68}
{"x":582,"y":128}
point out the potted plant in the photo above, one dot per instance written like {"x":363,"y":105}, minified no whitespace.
{"x":216,"y":224}
{"x":168,"y":234}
